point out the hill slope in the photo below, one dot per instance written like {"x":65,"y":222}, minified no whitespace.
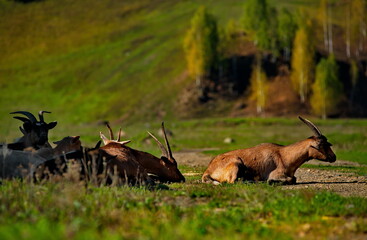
{"x":94,"y":60}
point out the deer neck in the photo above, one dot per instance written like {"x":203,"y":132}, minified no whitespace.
{"x":295,"y":155}
{"x":147,"y":160}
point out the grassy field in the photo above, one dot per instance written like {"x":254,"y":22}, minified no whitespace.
{"x":92,"y":60}
{"x":186,"y":211}
{"x":193,"y":210}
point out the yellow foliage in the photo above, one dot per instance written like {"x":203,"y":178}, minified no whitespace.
{"x":200,"y":43}
{"x":302,"y":62}
{"x":327,"y":89}
{"x":258,"y":87}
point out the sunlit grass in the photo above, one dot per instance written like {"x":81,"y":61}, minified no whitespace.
{"x":187,"y":211}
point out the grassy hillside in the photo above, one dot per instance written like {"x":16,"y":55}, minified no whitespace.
{"x":94,"y":60}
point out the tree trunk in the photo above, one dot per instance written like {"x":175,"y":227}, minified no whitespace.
{"x":198,"y":80}
{"x":259,"y":89}
{"x":301,"y":88}
{"x":347,"y":30}
{"x":330,"y":29}
{"x":325,"y":27}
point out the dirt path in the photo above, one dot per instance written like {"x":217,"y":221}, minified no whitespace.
{"x":343,"y":183}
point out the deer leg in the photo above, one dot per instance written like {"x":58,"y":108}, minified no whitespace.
{"x":294,"y":180}
{"x":233,"y":171}
{"x":279,"y":177}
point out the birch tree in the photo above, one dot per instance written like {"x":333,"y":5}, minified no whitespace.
{"x":327,"y":88}
{"x":286,"y":31}
{"x":325,"y":16}
{"x":358,"y":24}
{"x":260,"y":22}
{"x":303,"y":61}
{"x":200,"y":44}
{"x":258,"y":85}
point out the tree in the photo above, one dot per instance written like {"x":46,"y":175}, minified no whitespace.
{"x":347,"y":28}
{"x":258,"y":85}
{"x":327,"y":89}
{"x":229,"y":42}
{"x":303,"y":61}
{"x":286,"y":31}
{"x":354,"y":78}
{"x":260,"y":22}
{"x":325,"y":15}
{"x":255,"y":13}
{"x":358,"y":24}
{"x":200,"y":44}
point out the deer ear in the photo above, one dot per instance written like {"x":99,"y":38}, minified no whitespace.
{"x":75,"y":139}
{"x":104,"y":139}
{"x":98,"y":144}
{"x":51,"y":125}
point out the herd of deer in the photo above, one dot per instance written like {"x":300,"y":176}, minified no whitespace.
{"x":33,"y":157}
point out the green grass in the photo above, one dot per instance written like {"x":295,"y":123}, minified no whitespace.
{"x":193,"y":210}
{"x":185,"y":211}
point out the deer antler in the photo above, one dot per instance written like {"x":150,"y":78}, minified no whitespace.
{"x":110,"y":131}
{"x":119,"y":135}
{"x":312,"y":126}
{"x":31,"y":117}
{"x":167,"y":143}
{"x":40,"y":114}
{"x":163,"y":149}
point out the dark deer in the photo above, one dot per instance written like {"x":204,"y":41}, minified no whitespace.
{"x":269,"y":162}
{"x":35,"y":133}
{"x":19,"y":164}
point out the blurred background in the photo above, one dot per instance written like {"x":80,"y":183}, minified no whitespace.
{"x":151,"y":60}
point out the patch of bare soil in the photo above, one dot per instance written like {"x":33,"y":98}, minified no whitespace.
{"x":343,"y":183}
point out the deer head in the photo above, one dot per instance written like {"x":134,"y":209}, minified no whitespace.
{"x":35,"y":132}
{"x":320,"y":148}
{"x":167,"y":159}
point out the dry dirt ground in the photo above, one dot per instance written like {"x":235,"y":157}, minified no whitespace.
{"x":343,"y":183}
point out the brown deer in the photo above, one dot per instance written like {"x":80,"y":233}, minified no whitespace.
{"x":121,"y":163}
{"x":163,"y":169}
{"x":269,"y":162}
{"x":35,"y":133}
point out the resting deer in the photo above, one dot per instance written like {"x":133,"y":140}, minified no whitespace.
{"x":269,"y":162}
{"x":35,"y":133}
{"x":163,"y":169}
{"x":15,"y":163}
{"x":121,"y":162}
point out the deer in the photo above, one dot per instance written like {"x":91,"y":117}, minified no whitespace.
{"x":19,"y":164}
{"x":163,"y":169}
{"x":35,"y":133}
{"x":269,"y":162}
{"x":117,"y":161}
{"x":69,"y":147}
